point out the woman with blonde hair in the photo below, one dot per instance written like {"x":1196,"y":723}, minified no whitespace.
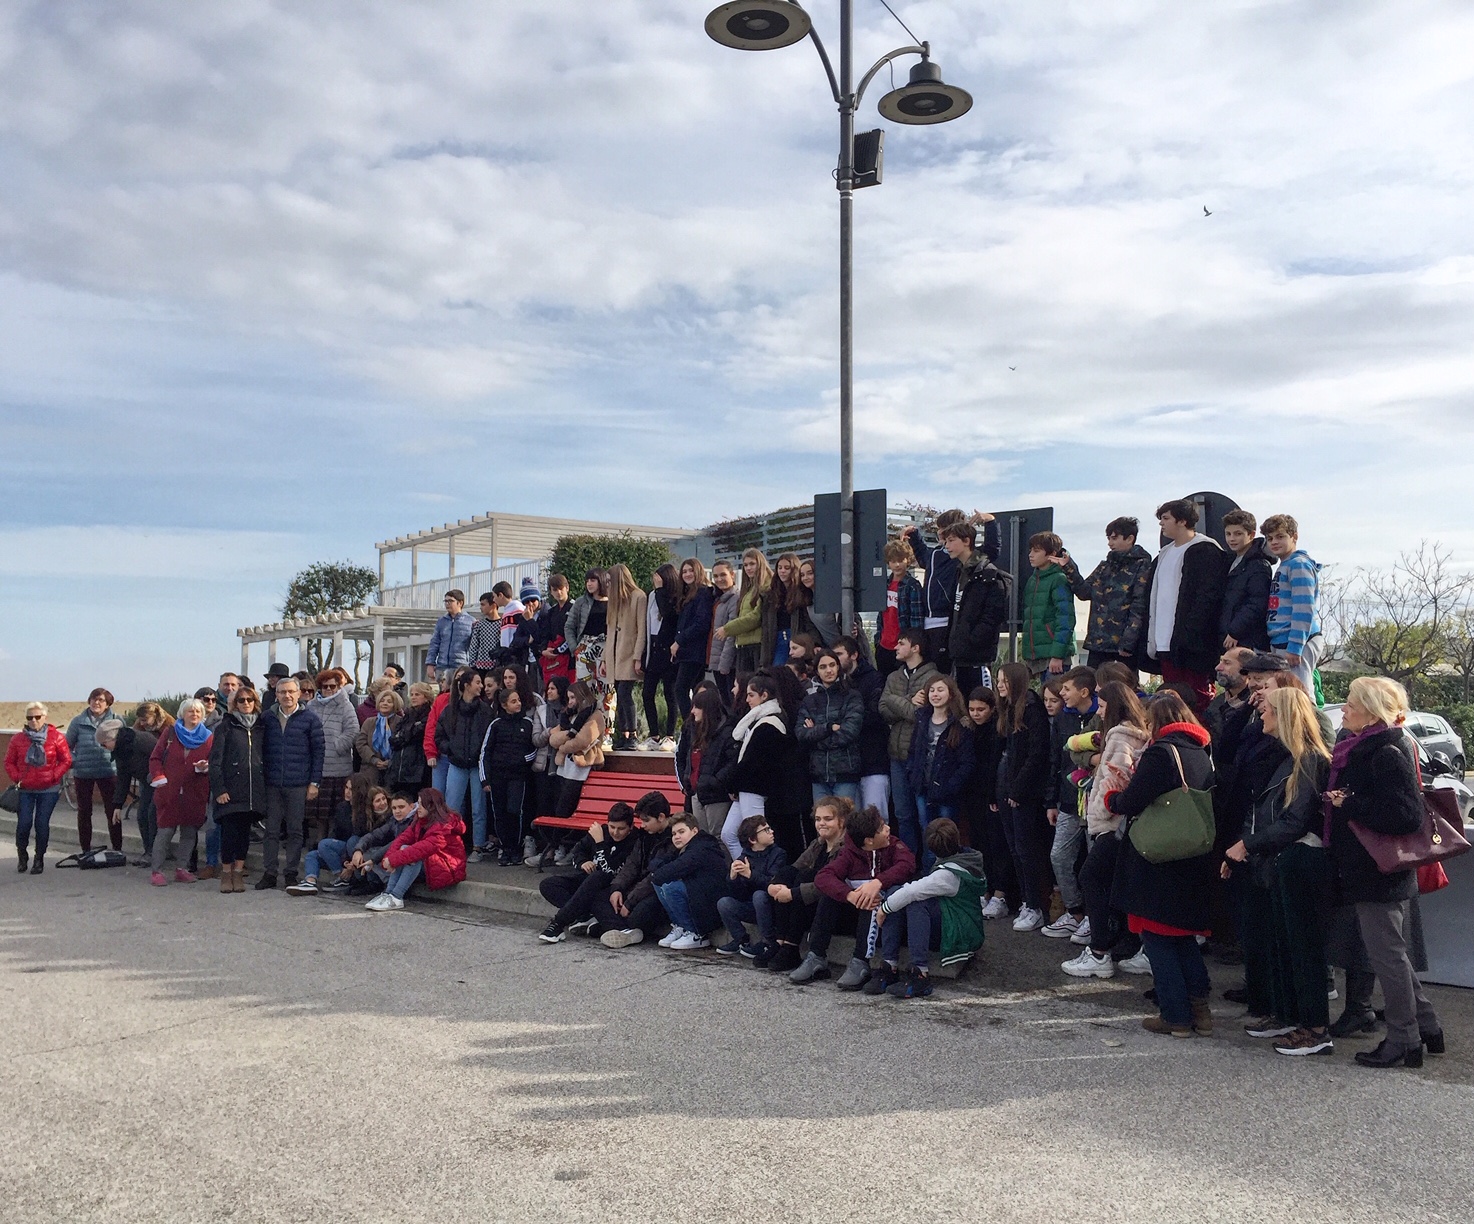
{"x":745,"y":629}
{"x":694,"y":608}
{"x":36,"y":761}
{"x":1284,"y":849}
{"x":784,"y":600}
{"x":624,"y":649}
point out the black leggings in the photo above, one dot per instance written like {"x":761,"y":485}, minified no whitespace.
{"x":667,"y":681}
{"x":688,"y":676}
{"x":1029,"y":841}
{"x":1107,"y":924}
{"x":625,"y":720}
{"x":235,"y":835}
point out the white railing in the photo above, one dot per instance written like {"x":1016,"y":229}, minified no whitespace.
{"x":431,"y":593}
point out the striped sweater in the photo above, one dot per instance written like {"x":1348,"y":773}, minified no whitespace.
{"x":1292,"y":594}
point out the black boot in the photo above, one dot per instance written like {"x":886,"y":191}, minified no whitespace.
{"x":39,"y":865}
{"x":1433,"y":1042}
{"x":25,"y":861}
{"x":1354,"y":1023}
{"x":1382,"y":1056}
{"x":266,"y":882}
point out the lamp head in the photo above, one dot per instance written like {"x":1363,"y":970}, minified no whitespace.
{"x":925,"y":99}
{"x":757,"y":25}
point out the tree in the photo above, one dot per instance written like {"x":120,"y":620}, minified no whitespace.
{"x":329,"y":586}
{"x":574,"y":555}
{"x":1459,"y":647}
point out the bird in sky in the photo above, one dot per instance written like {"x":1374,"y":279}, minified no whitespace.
{"x":1206,"y":213}
{"x":1013,"y":367}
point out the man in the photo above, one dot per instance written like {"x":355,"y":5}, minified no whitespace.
{"x":1185,"y":602}
{"x":1244,"y":621}
{"x":486,"y":633}
{"x":395,"y":675}
{"x":450,"y":643}
{"x":227,"y":687}
{"x":292,"y":747}
{"x":1294,"y":621}
{"x":1117,"y":590}
{"x":1229,"y":710}
{"x":276,"y":673}
{"x":1227,"y":718}
{"x":1047,"y":635}
{"x":941,"y":577}
{"x":903,"y":696}
{"x":979,"y":608}
{"x":875,"y":760}
{"x":599,"y":855}
{"x":630,"y":910}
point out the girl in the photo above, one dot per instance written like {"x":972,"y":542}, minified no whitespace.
{"x":784,"y":598}
{"x":721,"y":657}
{"x":1023,"y":774}
{"x":238,"y":781}
{"x":588,"y":628}
{"x":693,"y":631}
{"x":458,"y":734}
{"x":981,"y":804}
{"x":545,"y":720}
{"x":823,"y":625}
{"x":575,"y":741}
{"x":941,"y":759}
{"x":625,"y":651}
{"x":430,"y":846}
{"x":507,"y":755}
{"x":903,"y":608}
{"x":705,"y":757}
{"x":745,"y":629}
{"x":659,"y":668}
{"x":36,"y":761}
{"x":764,"y":758}
{"x":1115,"y":750}
{"x":179,"y":772}
{"x":829,"y":723}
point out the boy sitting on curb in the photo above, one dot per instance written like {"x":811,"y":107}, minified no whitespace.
{"x":747,"y":897}
{"x":599,"y":855}
{"x":690,"y":883}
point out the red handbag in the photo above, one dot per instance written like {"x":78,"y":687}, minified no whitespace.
{"x":1438,"y":839}
{"x":1431,"y":878}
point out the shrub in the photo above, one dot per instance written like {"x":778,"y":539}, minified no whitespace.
{"x":574,"y":555}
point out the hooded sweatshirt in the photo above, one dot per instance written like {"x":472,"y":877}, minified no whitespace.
{"x":960,"y":885}
{"x":1293,"y":618}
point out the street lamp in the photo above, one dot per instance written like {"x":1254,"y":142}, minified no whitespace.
{"x":760,"y":25}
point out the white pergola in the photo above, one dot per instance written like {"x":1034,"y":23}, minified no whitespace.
{"x":381,"y":626}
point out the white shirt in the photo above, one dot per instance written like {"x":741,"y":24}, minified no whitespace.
{"x":1165,"y":588}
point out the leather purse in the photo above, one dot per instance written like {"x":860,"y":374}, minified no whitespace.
{"x":1438,"y":839}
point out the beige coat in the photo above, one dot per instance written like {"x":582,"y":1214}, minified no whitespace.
{"x":625,"y":645}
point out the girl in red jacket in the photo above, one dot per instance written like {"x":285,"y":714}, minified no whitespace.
{"x":430,"y":846}
{"x":36,"y":761}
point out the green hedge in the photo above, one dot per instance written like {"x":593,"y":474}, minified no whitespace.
{"x":574,"y":555}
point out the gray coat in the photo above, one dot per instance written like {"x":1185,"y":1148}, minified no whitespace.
{"x":89,"y":760}
{"x":721,"y":655}
{"x":339,"y":721}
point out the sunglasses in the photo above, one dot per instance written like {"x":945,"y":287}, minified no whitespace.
{"x":35,"y":718}
{"x":208,"y":700}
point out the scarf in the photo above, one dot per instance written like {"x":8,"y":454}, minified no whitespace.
{"x":191,"y":740}
{"x":1340,"y":754}
{"x":769,"y":712}
{"x":36,"y":753}
{"x":246,"y":720}
{"x":381,"y":738}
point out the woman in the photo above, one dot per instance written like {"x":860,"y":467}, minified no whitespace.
{"x":693,"y":630}
{"x":1113,"y":751}
{"x":1283,"y":850}
{"x":238,"y":783}
{"x":903,"y":605}
{"x":1023,"y":774}
{"x":624,"y":651}
{"x":339,"y":718}
{"x":745,"y":629}
{"x":408,"y":773}
{"x":823,"y":625}
{"x":576,"y":744}
{"x":659,"y":668}
{"x":705,"y":758}
{"x":179,"y":772}
{"x":721,"y":655}
{"x":36,"y":761}
{"x":1374,"y":782}
{"x":374,"y":743}
{"x":507,"y":754}
{"x":588,"y":628}
{"x":519,"y":680}
{"x":92,"y":768}
{"x":431,"y":846}
{"x":784,"y":598}
{"x":941,"y":758}
{"x":371,"y":807}
{"x":764,"y":758}
{"x":1167,"y":903}
{"x":829,"y":723}
{"x":458,"y":735}
{"x":131,"y":752}
{"x":554,"y":656}
{"x":545,"y":720}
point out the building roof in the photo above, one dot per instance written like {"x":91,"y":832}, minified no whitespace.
{"x":520,"y":536}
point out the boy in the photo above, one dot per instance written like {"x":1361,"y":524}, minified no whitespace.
{"x":979,"y":608}
{"x":794,"y":894}
{"x":1048,"y":609}
{"x":486,"y":633}
{"x":747,"y":898}
{"x":868,"y":865}
{"x":1294,"y":619}
{"x":905,"y":693}
{"x":1079,"y":711}
{"x":690,"y":883}
{"x":371,"y":847}
{"x":941,"y":577}
{"x":554,"y":654}
{"x":631,"y":910}
{"x":943,"y":910}
{"x":1116,"y":589}
{"x":1185,"y":602}
{"x":599,"y":855}
{"x":903,"y":605}
{"x":1246,"y":592}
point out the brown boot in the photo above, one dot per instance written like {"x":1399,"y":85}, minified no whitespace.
{"x":227,"y":879}
{"x":1155,"y":1024}
{"x":208,"y":873}
{"x":238,"y":880}
{"x":1202,"y":1017}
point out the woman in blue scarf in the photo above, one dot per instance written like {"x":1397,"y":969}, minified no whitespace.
{"x":372,"y":745}
{"x":179,"y":772}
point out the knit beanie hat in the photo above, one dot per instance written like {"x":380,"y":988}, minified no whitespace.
{"x":528,"y":591}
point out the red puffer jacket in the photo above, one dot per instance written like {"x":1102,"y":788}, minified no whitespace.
{"x":38,"y":777}
{"x":438,"y":845}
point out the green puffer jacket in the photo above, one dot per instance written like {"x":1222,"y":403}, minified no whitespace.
{"x":1048,"y":615}
{"x":746,"y":627}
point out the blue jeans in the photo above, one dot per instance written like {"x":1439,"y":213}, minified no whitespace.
{"x":212,"y":836}
{"x":330,"y":853}
{"x":1069,"y":837}
{"x":1178,"y":973}
{"x":456,"y":783}
{"x":677,"y":905}
{"x":401,"y":878}
{"x":758,"y":910}
{"x":35,"y":809}
{"x":924,"y":817}
{"x":918,"y":922}
{"x":845,"y":790}
{"x":439,"y":774}
{"x":905,"y":804}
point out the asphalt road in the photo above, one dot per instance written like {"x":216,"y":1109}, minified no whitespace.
{"x":176,"y":1055}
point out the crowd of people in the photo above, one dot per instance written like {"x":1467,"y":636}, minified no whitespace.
{"x":900,"y":787}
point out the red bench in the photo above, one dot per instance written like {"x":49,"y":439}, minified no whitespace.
{"x":605,"y":788}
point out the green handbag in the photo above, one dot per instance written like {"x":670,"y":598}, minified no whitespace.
{"x":1177,"y":825}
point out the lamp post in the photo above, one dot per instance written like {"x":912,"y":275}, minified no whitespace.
{"x":760,"y":25}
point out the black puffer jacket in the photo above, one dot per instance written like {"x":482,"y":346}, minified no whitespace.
{"x":1245,"y":615}
{"x":238,"y":765}
{"x":979,"y":612}
{"x":875,"y":734}
{"x":1383,"y":796}
{"x":1025,"y":771}
{"x":1196,"y":641}
{"x":718,"y":760}
{"x":633,"y":879}
{"x":408,"y":771}
{"x":508,"y":750}
{"x":460,"y":730}
{"x":834,"y":756}
{"x":131,"y":753}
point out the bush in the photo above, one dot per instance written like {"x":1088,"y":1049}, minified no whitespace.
{"x":575,"y":555}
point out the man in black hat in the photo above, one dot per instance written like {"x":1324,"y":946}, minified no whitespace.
{"x":277,"y":671}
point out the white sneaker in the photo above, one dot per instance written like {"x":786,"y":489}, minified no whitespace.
{"x":622,"y":939}
{"x":996,"y":907}
{"x":1135,"y":964}
{"x":1062,"y":927}
{"x":1082,"y":933}
{"x":675,"y":934}
{"x":667,"y":744}
{"x":649,"y":744}
{"x":377,"y":904}
{"x":1028,"y":919}
{"x":689,"y":941}
{"x":1087,"y":964}
{"x":392,"y":902}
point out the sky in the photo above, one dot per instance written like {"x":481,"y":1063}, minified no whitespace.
{"x":279,"y":280}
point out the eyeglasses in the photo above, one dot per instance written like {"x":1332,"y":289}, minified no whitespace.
{"x":35,"y":718}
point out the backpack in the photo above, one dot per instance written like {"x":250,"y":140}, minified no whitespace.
{"x":93,"y":860}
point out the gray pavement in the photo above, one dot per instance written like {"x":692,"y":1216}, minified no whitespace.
{"x":178,"y":1055}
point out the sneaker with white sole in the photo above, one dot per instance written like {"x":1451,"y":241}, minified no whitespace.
{"x":996,"y":907}
{"x":667,"y":744}
{"x":689,"y":942}
{"x":1304,"y":1041}
{"x":378,"y":904}
{"x":1088,"y":964}
{"x":553,"y":933}
{"x":675,"y":933}
{"x":304,"y":888}
{"x":391,"y":902}
{"x":1029,"y":919}
{"x":1062,"y":927}
{"x":648,"y":744}
{"x":583,"y":926}
{"x":1135,"y":964}
{"x":622,"y":939}
{"x":1268,"y":1028}
{"x":1082,"y":933}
